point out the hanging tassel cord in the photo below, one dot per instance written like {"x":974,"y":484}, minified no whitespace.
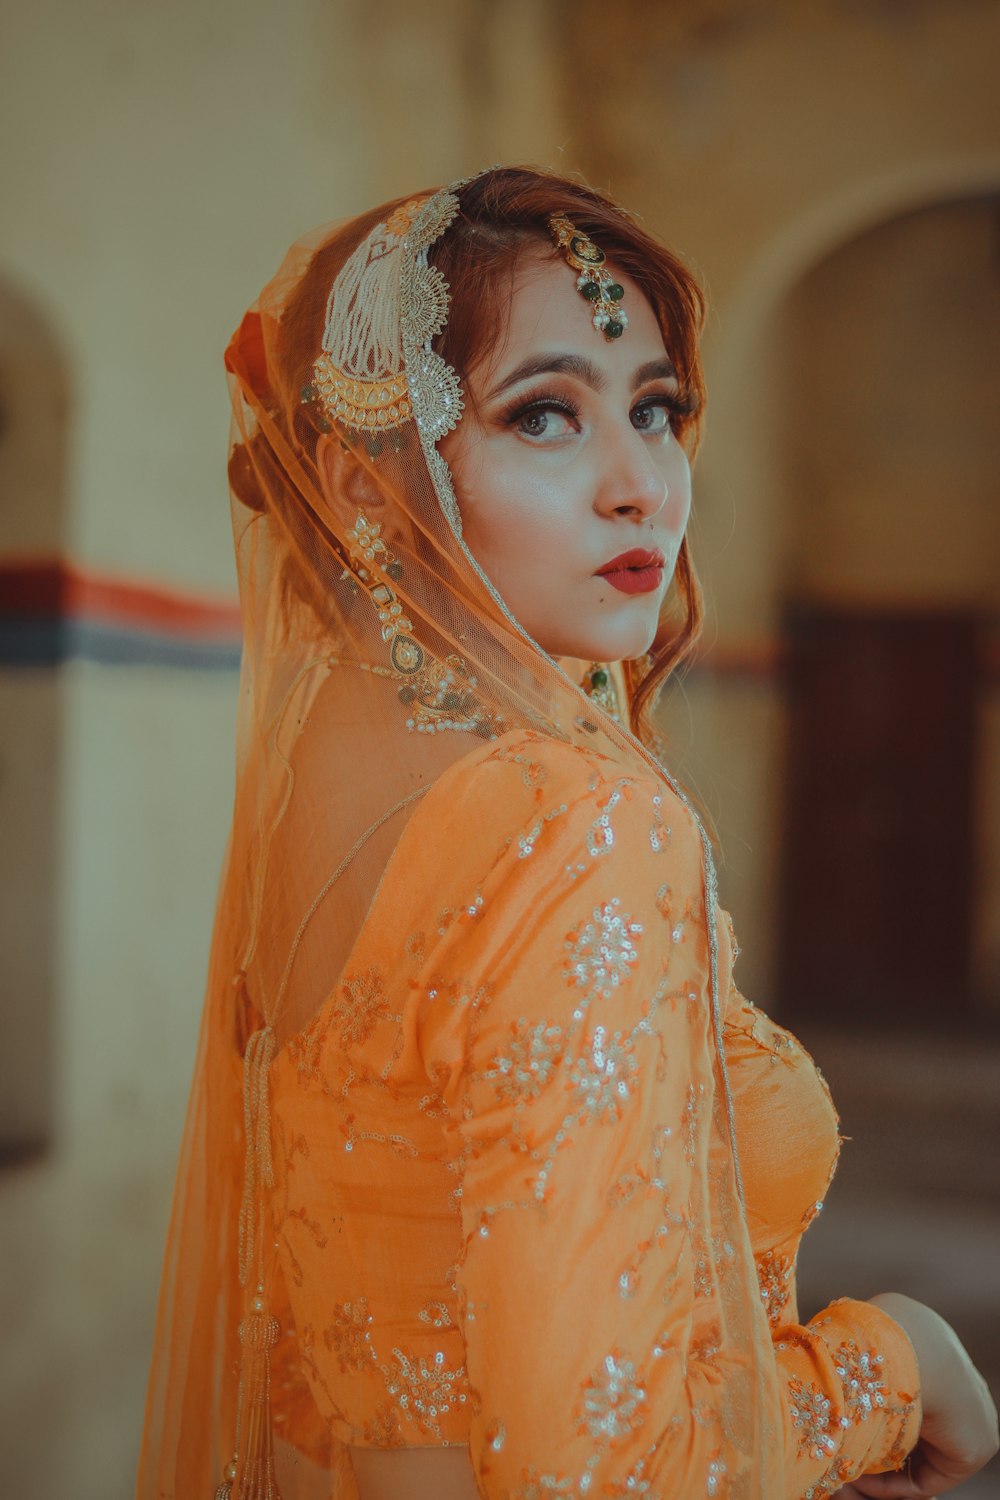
{"x":258,"y":1168}
{"x":250,"y":1475}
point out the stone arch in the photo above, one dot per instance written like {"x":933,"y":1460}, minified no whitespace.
{"x":815,"y":233}
{"x":856,"y":523}
{"x":744,"y":370}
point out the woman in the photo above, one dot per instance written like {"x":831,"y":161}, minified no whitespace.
{"x":489,"y":1185}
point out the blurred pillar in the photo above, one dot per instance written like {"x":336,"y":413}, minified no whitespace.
{"x":33,"y":434}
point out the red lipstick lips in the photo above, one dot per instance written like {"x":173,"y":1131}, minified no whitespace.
{"x":637,"y":571}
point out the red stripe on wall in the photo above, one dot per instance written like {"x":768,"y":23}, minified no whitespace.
{"x":46,"y":588}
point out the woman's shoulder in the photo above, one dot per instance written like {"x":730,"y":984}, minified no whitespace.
{"x":528,"y":793}
{"x":504,"y":792}
{"x":512,"y":779}
{"x":536,"y":831}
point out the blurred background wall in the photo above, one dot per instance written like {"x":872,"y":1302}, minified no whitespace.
{"x":831,"y":169}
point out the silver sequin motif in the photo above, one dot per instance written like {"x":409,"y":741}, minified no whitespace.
{"x":614,"y":1399}
{"x":603,"y":951}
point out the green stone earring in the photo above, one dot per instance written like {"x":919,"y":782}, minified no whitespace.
{"x":598,"y":684}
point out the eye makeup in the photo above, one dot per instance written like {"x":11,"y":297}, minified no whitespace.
{"x":678,"y":404}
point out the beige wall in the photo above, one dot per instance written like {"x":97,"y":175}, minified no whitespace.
{"x":170,"y":155}
{"x":760,"y":140}
{"x":144,"y":798}
{"x":166,"y":155}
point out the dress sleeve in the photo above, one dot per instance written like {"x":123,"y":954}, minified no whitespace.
{"x":566,"y":1020}
{"x":849,"y":1385}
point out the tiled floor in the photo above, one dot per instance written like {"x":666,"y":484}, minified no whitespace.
{"x":915,"y":1206}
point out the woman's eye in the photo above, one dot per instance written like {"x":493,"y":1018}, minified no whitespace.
{"x":548,"y":421}
{"x":652,"y":417}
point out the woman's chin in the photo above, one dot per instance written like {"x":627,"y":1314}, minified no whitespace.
{"x":604,"y":650}
{"x":619,"y":645}
{"x":622,"y":639}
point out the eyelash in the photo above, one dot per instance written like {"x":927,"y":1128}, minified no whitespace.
{"x":679,"y":406}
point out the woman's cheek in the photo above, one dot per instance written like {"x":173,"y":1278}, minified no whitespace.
{"x":510,"y":513}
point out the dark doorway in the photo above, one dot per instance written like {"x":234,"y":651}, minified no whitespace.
{"x":878,"y":845}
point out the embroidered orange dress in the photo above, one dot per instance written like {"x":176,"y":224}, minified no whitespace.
{"x":489,"y":1148}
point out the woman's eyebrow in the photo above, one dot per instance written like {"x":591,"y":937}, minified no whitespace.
{"x":584,"y":369}
{"x":656,"y":369}
{"x":551,"y":364}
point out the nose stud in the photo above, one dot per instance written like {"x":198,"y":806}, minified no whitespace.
{"x":656,"y":507}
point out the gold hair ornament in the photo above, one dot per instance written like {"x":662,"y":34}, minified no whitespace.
{"x":377,"y":370}
{"x":595,"y":282}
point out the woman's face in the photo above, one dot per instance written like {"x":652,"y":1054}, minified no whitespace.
{"x":573,"y":488}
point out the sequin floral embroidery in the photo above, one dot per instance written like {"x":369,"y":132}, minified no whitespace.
{"x":525,"y":1067}
{"x":425,"y":1390}
{"x":859,"y":1374}
{"x":813,"y":1419}
{"x":362,"y":1004}
{"x":348,"y":1336}
{"x":603,"y":950}
{"x":614,"y":1400}
{"x":774,"y":1274}
{"x":602,"y":1075}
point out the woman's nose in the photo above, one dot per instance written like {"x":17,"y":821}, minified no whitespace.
{"x":632,"y":482}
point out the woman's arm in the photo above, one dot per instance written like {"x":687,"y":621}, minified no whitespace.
{"x":607,"y":1327}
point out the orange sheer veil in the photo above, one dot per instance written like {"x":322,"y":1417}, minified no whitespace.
{"x":377,"y":653}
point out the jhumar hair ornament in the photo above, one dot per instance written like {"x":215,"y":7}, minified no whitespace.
{"x":595,"y":281}
{"x":376,"y":369}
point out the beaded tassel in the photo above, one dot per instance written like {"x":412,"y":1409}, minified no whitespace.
{"x":258,"y":1335}
{"x":225,"y":1490}
{"x":250,"y":1475}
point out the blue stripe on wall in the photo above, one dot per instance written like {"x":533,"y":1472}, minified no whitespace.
{"x":47,"y":642}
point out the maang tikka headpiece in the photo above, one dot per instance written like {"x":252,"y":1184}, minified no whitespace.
{"x":595,"y":281}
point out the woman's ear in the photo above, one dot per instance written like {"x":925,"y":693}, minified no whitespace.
{"x":348,"y":486}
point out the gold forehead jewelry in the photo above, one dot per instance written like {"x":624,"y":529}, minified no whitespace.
{"x":595,"y":281}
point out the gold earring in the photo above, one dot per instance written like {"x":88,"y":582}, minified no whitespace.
{"x":438,"y":694}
